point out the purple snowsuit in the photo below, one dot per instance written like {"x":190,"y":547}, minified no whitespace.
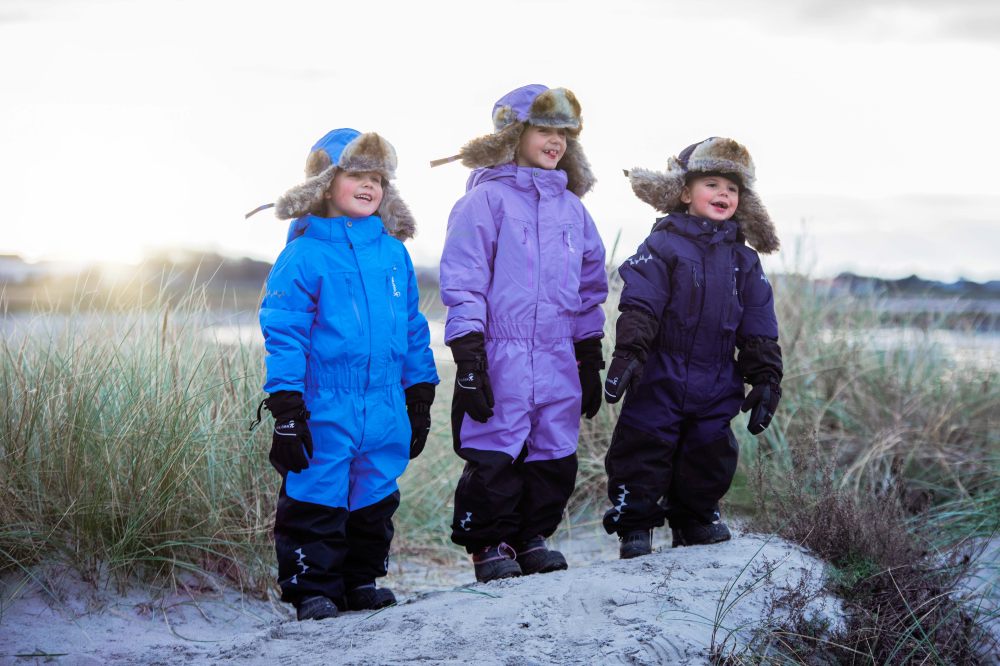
{"x":523,"y":264}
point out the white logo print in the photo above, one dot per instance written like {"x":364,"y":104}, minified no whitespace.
{"x":302,"y":563}
{"x":764,"y":278}
{"x":621,"y":503}
{"x":395,"y":292}
{"x":640,"y":259}
{"x":468,"y":518}
{"x":469,"y":378}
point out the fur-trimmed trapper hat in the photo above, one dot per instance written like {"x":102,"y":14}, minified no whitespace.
{"x":715,"y":155}
{"x":531,"y":105}
{"x":350,"y":150}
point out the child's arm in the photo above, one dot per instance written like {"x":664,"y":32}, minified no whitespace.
{"x":759,"y":359}
{"x":593,"y":284}
{"x":286,"y":318}
{"x":644,"y":297}
{"x":467,"y":266}
{"x":418,"y":366}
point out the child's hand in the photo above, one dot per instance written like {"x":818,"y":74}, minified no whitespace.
{"x":590,"y":361}
{"x":291,"y":444}
{"x":625,"y":370}
{"x":419,"y":399}
{"x":761,"y":402}
{"x":473,"y":392}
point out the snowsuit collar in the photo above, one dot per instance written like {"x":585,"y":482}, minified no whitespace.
{"x":353,"y":229}
{"x":546,"y":182}
{"x":699,"y":229}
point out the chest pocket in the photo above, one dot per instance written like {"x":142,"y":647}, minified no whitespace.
{"x":687,"y":293}
{"x":516,"y":252}
{"x":571,"y":247}
{"x":733,"y":313}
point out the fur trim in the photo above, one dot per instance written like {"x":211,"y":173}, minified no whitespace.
{"x":492,"y":149}
{"x":661,"y":190}
{"x":396,"y":213}
{"x":720,"y":155}
{"x":756,"y":224}
{"x":369,"y":152}
{"x":317,"y":162}
{"x":300,"y":200}
{"x":556,"y":107}
{"x":579,"y":177}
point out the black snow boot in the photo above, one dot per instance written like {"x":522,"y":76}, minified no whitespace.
{"x":699,"y":534}
{"x":534,"y":557}
{"x":315,"y":608}
{"x":495,"y":562}
{"x":635,"y":544}
{"x":369,"y":597}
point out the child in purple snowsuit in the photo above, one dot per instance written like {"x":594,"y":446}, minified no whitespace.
{"x":523,"y":277}
{"x":694,"y":294}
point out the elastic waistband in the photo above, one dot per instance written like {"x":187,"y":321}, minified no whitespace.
{"x":529,"y":330}
{"x":354,"y":378}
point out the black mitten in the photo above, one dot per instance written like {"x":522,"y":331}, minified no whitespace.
{"x":760,"y":365}
{"x":635,"y":331}
{"x":473,"y":393}
{"x":291,"y":443}
{"x":590,"y":362}
{"x":761,"y":402}
{"x":419,"y":399}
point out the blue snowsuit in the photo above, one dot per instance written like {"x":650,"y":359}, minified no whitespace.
{"x":673,"y":441}
{"x":342,"y":326}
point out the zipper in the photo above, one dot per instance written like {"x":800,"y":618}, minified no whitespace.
{"x":354,"y":304}
{"x":531,"y":259}
{"x":390,"y":290}
{"x":695,"y":301}
{"x":568,"y":243}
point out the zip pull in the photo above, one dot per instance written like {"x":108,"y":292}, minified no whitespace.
{"x":254,"y":424}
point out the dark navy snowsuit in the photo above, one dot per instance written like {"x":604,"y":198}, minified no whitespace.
{"x":673,"y":453}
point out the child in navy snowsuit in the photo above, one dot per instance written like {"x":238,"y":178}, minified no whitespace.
{"x":349,"y":371}
{"x":523,"y":276}
{"x":694,"y":294}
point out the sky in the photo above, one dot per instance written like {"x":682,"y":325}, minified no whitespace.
{"x":132,"y":127}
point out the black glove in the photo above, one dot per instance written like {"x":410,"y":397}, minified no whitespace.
{"x":473,"y":393}
{"x":419,"y":399}
{"x":635,"y":331}
{"x":590,"y":362}
{"x":761,"y":402}
{"x":760,"y":365}
{"x":291,"y":444}
{"x":625,"y":370}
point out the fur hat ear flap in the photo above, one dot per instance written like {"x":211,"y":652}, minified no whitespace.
{"x":661,"y":190}
{"x":300,"y":200}
{"x":579,"y":176}
{"x":395,"y":214}
{"x":756,"y":224}
{"x":492,"y":149}
{"x":317,"y":162}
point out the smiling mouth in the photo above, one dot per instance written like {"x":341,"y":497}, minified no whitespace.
{"x":552,"y":154}
{"x":721,"y":205}
{"x":364,"y":197}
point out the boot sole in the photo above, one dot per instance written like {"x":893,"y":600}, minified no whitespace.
{"x":506,"y":569}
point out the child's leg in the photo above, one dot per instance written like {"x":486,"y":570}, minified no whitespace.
{"x":489,"y":491}
{"x":382,"y":457}
{"x":706,"y":464}
{"x":640,"y":468}
{"x":310,"y":541}
{"x":549,"y":469}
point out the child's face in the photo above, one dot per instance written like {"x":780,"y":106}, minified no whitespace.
{"x":712,"y":197}
{"x":541,"y":147}
{"x":353,"y":194}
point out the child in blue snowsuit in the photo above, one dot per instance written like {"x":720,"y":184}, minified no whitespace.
{"x":349,"y":372}
{"x":694,"y":294}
